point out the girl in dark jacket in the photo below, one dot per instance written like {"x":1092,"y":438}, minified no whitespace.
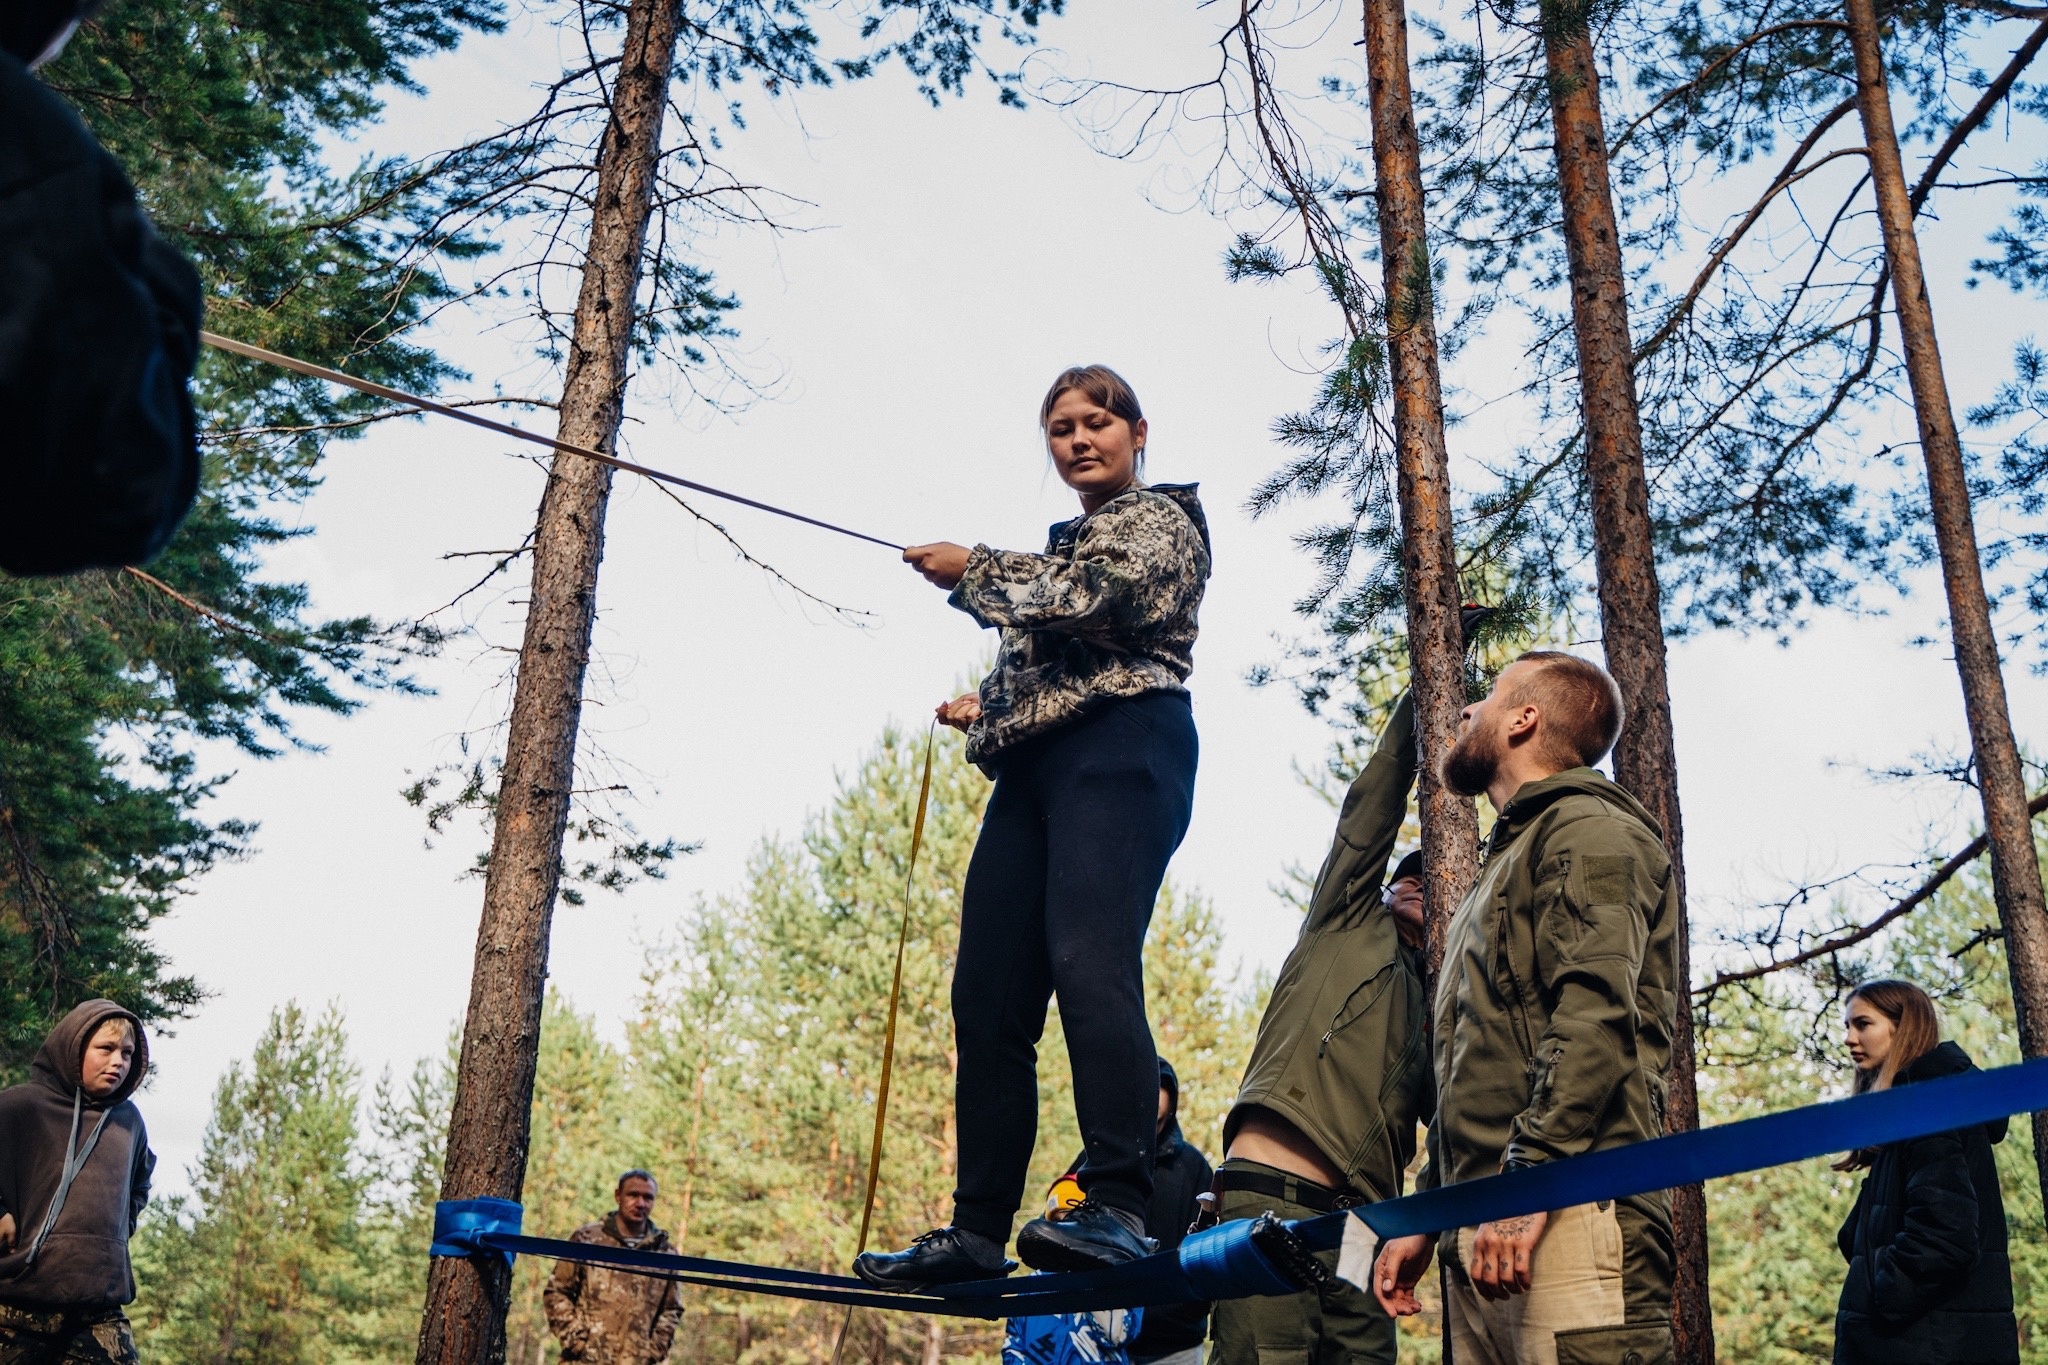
{"x":1085,"y":726}
{"x":1928,"y":1282}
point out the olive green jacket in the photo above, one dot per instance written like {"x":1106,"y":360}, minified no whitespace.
{"x":1341,"y":1052}
{"x":1557,"y":999}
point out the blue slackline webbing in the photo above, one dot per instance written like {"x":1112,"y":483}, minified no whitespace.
{"x":1888,"y":1116}
{"x":1222,"y":1262}
{"x":1221,"y":1259}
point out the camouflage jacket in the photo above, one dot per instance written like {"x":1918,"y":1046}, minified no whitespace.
{"x":611,"y":1317}
{"x":1107,"y":611}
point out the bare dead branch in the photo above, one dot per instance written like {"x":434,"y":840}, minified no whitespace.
{"x":1993,"y":95}
{"x":1968,"y":854}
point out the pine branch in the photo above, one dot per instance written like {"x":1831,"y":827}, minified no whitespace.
{"x":1969,"y":853}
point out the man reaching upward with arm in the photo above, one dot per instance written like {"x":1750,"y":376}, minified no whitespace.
{"x":1339,"y":1076}
{"x":1552,"y":1034}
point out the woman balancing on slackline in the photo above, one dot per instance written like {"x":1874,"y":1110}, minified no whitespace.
{"x":1085,"y":726}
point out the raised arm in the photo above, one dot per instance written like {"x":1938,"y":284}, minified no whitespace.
{"x":1368,"y":824}
{"x":1134,"y":567}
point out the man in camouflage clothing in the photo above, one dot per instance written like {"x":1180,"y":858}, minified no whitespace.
{"x":1553,"y":1020}
{"x":28,"y":1337}
{"x":612,"y":1317}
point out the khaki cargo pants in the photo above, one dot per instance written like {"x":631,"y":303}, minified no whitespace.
{"x":1600,"y":1294}
{"x":97,"y":1336}
{"x":1340,"y":1324}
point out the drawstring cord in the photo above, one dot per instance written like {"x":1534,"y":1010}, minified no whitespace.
{"x":74,"y":1162}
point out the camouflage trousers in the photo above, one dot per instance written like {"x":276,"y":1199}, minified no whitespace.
{"x":93,"y":1336}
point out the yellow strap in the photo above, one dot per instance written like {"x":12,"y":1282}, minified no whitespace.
{"x":867,"y":1212}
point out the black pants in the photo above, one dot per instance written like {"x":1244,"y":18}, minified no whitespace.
{"x":1073,"y":848}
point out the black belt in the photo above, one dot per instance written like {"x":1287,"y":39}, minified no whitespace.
{"x":1292,"y":1188}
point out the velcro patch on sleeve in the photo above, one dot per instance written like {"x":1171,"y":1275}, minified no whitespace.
{"x":1610,"y":879}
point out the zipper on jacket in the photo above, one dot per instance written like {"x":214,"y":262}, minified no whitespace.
{"x":1517,"y":1005}
{"x":1340,"y":1022}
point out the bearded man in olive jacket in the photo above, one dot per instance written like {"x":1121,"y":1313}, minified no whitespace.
{"x":1339,"y":1077}
{"x":1552,"y":1034}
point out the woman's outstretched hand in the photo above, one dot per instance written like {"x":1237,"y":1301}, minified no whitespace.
{"x":941,"y":562}
{"x":960,"y":712}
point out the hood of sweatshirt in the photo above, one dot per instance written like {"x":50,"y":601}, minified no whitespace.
{"x":61,"y":1058}
{"x":1169,"y":1132}
{"x":1536,"y":797}
{"x":1185,"y":496}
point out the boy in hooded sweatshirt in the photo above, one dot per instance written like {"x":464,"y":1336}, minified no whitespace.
{"x":74,"y":1177}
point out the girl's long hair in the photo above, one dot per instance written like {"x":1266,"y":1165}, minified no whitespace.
{"x":1916,"y":1031}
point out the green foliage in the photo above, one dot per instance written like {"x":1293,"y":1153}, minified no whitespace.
{"x":1763,"y":349}
{"x":108,"y":679}
{"x":286,"y":1252}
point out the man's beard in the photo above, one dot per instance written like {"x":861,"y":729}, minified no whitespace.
{"x":1468,"y":769}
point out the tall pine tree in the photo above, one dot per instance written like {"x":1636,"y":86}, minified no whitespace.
{"x":109,"y":679}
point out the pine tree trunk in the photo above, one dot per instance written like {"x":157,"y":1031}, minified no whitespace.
{"x":2015,"y":868}
{"x":1429,"y":563}
{"x":464,"y":1321}
{"x":1631,"y":608}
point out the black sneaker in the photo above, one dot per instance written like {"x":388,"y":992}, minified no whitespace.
{"x":942,"y":1256}
{"x":1091,"y":1236}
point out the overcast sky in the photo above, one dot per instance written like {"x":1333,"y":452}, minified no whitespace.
{"x":956,"y":260}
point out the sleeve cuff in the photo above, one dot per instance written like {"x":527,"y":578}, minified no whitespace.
{"x":962,"y":596}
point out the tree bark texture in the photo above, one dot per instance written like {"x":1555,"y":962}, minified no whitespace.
{"x":2015,"y":868}
{"x":464,"y":1320}
{"x":1631,"y":606}
{"x":1429,"y":561}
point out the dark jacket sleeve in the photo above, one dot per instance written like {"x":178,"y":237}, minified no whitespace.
{"x":665,"y":1319}
{"x":1937,"y":1241}
{"x":560,"y":1299}
{"x":1592,"y":930}
{"x":139,"y":1180}
{"x":1368,"y":825}
{"x":99,"y":333}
